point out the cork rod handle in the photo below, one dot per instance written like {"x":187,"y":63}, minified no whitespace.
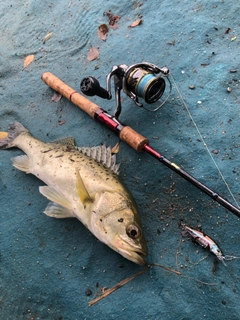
{"x":127,"y":134}
{"x":58,"y":85}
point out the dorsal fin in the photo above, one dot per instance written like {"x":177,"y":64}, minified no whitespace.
{"x":103,"y":155}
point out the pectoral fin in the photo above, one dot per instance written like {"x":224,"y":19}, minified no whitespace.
{"x":82,"y":190}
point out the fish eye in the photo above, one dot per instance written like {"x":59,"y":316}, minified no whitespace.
{"x":133,"y":231}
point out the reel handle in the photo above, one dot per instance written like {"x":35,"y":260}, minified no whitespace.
{"x":91,"y":87}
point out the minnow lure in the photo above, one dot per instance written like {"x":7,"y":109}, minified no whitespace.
{"x":206,"y":242}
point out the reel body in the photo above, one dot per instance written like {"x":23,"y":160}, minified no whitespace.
{"x":144,"y":80}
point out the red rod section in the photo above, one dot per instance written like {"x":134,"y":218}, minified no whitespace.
{"x":151,"y":151}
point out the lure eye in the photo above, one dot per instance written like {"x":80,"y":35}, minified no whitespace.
{"x":133,"y":231}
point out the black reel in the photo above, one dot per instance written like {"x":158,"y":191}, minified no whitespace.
{"x":138,"y":80}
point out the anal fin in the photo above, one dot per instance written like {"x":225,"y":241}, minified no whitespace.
{"x":55,"y":210}
{"x":55,"y":196}
{"x":21,"y":163}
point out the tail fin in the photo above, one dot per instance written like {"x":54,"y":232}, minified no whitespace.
{"x":7,"y":138}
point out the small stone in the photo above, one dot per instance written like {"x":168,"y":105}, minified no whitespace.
{"x":229,"y":89}
{"x":192,"y":87}
{"x":88,"y":292}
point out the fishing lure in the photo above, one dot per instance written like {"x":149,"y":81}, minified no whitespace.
{"x":206,"y":242}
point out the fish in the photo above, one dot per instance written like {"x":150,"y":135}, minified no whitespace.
{"x":82,"y":183}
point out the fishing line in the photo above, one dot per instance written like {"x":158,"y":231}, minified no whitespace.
{"x":203,"y":141}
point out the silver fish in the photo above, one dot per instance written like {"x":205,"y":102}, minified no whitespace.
{"x":82,"y":183}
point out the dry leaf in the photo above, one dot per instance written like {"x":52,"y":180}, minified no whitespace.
{"x":28,"y":60}
{"x":113,"y":20}
{"x":101,"y":35}
{"x":47,"y":37}
{"x":103,"y":31}
{"x":92,"y":54}
{"x":56,"y":97}
{"x":114,"y":26}
{"x":116,"y":148}
{"x":136,"y":23}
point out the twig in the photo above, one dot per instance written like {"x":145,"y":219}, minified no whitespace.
{"x":180,"y":274}
{"x":166,"y":268}
{"x":117,"y":286}
{"x":202,"y":282}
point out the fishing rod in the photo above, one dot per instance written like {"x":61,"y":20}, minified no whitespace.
{"x":138,"y":80}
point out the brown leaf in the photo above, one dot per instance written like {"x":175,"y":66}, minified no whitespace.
{"x":113,"y":20}
{"x":103,"y":31}
{"x":116,"y":148}
{"x":136,"y":23}
{"x":56,"y":97}
{"x":114,"y":26}
{"x":92,"y":54}
{"x":28,"y":60}
{"x":47,"y":37}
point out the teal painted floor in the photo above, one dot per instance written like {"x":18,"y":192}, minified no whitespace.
{"x":47,"y":265}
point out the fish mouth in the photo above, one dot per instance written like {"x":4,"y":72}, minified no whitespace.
{"x":137,"y":256}
{"x":133,"y":253}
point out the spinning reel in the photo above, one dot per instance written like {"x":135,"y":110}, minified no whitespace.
{"x":138,"y":80}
